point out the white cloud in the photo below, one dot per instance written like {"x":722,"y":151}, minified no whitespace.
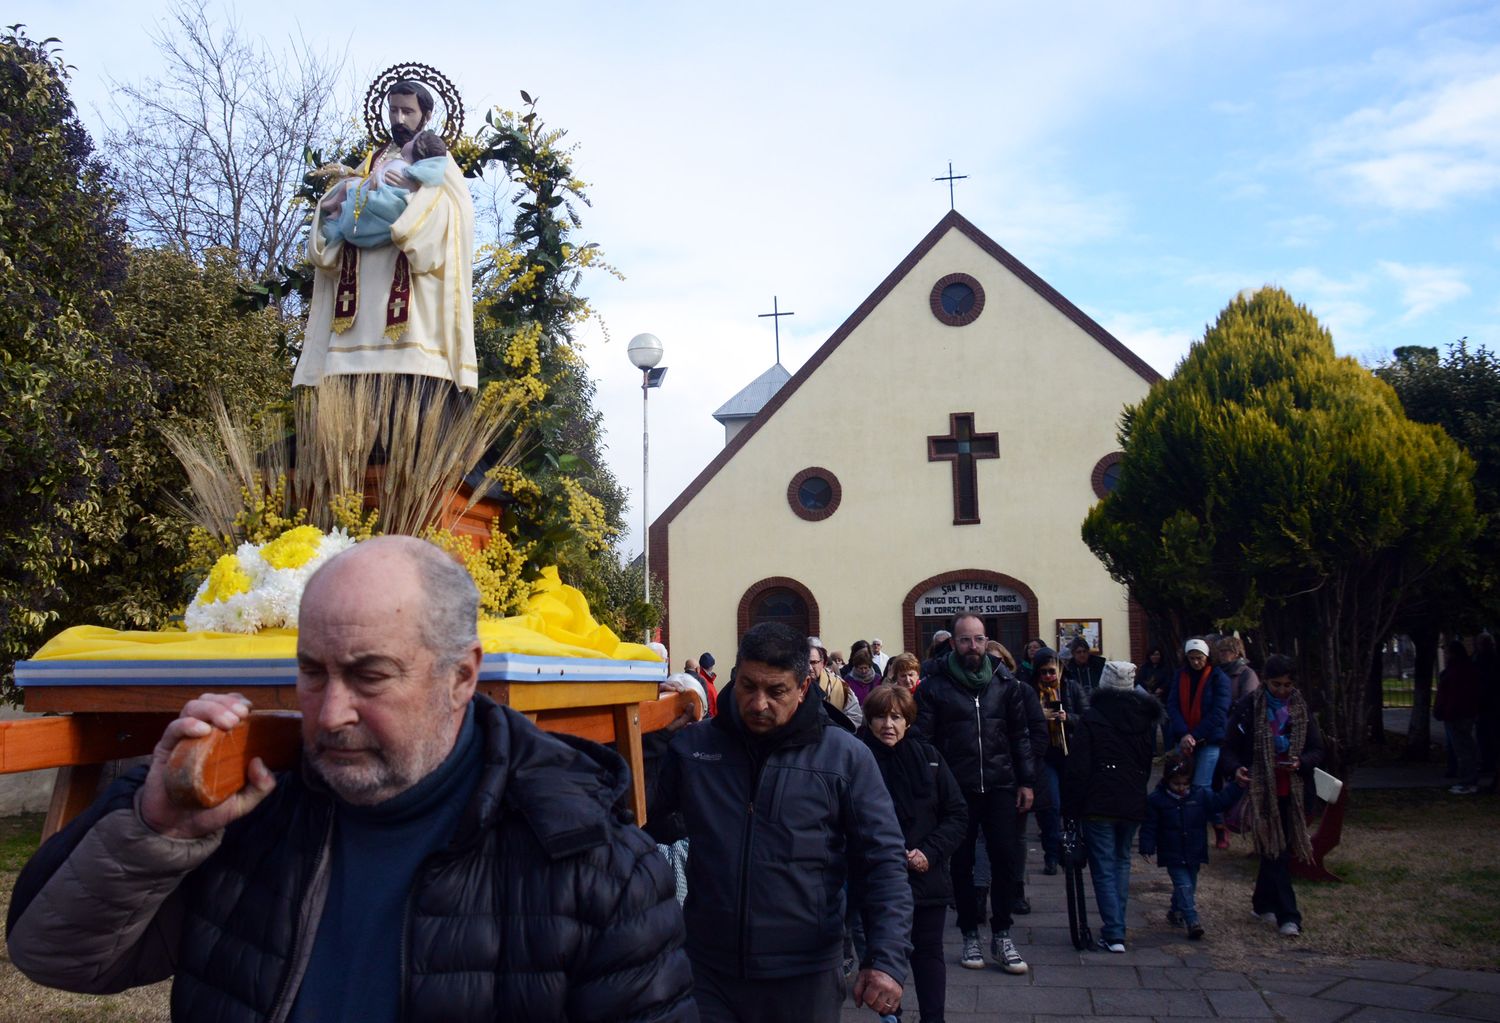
{"x":1422,"y":152}
{"x":1425,"y":288}
{"x":1161,"y":345}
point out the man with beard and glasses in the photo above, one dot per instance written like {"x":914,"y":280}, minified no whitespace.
{"x":972,"y":709}
{"x":435,"y":857}
{"x":403,"y":307}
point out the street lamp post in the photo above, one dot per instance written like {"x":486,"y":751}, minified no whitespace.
{"x":645,"y":352}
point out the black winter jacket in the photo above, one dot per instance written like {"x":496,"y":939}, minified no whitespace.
{"x":543,"y":906}
{"x":776,"y":828}
{"x":1176,"y":830}
{"x":936,"y":825}
{"x":984,"y":736}
{"x":1087,"y":675}
{"x":1109,"y":762}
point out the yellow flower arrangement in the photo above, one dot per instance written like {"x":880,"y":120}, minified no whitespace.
{"x":294,"y":548}
{"x":225,"y":580}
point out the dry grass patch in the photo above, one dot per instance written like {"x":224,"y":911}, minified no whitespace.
{"x":20,"y":999}
{"x":1421,"y":874}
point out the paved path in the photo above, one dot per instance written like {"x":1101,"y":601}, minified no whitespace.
{"x":1163,"y":976}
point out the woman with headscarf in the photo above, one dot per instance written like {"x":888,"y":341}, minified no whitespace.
{"x":933,"y":817}
{"x":1271,"y":733}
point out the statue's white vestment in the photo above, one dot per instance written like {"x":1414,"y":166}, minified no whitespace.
{"x":437,"y":235}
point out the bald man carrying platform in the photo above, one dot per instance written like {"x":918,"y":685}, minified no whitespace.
{"x":434,"y":856}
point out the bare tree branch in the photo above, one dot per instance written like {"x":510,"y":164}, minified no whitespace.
{"x":210,"y":152}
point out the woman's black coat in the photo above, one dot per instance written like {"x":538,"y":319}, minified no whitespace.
{"x":937,"y":826}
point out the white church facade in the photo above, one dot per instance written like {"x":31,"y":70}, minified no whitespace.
{"x":987,"y":431}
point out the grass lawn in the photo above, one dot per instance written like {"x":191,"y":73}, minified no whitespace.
{"x":20,"y":999}
{"x":1421,"y":874}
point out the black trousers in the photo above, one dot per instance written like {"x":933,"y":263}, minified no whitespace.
{"x":929,"y":971}
{"x":728,"y":998}
{"x":992,"y":814}
{"x":1273,"y":884}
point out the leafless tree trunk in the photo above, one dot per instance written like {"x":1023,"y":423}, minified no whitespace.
{"x":210,"y":153}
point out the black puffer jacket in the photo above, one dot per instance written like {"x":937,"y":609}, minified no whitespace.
{"x":776,"y":828}
{"x":984,"y":736}
{"x":543,"y":906}
{"x":1109,"y":762}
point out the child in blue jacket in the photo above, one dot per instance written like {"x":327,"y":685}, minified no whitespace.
{"x":1175,"y":832}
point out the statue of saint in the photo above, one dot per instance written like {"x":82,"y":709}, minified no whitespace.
{"x":393,"y":248}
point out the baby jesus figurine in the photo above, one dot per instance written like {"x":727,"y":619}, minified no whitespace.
{"x":368,"y":207}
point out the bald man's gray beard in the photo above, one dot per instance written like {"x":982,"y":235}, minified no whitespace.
{"x":381,"y":773}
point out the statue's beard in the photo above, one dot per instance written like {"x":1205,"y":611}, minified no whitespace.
{"x":401,"y":134}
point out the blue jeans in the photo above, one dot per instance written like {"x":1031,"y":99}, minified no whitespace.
{"x":1049,"y":821}
{"x":1110,"y":844}
{"x":1184,"y":890}
{"x":1205,"y":759}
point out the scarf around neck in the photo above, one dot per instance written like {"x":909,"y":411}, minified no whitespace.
{"x":973,"y":680}
{"x":903,"y":767}
{"x":1190,"y":696}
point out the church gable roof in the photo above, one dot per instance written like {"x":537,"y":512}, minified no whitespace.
{"x":951,"y":222}
{"x":755,"y":395}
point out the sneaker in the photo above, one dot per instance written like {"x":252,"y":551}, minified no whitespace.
{"x":1111,"y":946}
{"x":1290,"y":929}
{"x":1195,"y":931}
{"x":972,"y":958}
{"x":1269,"y":918}
{"x":1221,"y":837}
{"x":1049,"y":866}
{"x":1003,"y":950}
{"x":1021,"y":906}
{"x":1174,"y":918}
{"x":1464,"y":790}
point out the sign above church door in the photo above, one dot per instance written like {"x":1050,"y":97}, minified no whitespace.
{"x":980,"y":598}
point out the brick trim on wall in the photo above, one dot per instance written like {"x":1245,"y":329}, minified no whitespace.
{"x":909,"y":605}
{"x":1097,"y":479}
{"x":814,"y":515}
{"x":753,"y":592}
{"x":935,"y":300}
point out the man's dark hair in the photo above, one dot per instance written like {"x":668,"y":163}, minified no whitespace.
{"x":426,"y":145}
{"x":1079,"y":643}
{"x":776,"y":645}
{"x":953,"y":626}
{"x":1278,"y":665}
{"x":417,"y":89}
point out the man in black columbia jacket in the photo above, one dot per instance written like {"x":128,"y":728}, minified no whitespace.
{"x":782,"y":805}
{"x":974,"y":712}
{"x":436,"y":857}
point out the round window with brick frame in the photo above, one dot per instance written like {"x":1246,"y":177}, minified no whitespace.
{"x":957,"y":299}
{"x":814,"y":494}
{"x":1106,"y":474}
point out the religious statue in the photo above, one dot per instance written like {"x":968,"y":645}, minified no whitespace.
{"x":392,"y":246}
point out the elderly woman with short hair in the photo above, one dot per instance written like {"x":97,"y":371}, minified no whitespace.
{"x":933,"y":817}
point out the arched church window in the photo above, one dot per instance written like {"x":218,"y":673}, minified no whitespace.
{"x":957,"y":299}
{"x":779,"y":599}
{"x":814,"y":494}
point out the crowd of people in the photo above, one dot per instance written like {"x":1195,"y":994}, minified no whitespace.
{"x":969,"y":744}
{"x":436,"y":856}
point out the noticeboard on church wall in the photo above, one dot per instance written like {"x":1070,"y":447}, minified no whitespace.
{"x":974,"y":597}
{"x":1091,"y":629}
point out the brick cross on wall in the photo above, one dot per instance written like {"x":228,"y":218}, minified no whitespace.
{"x":962,"y":447}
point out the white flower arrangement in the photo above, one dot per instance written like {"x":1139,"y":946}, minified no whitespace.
{"x":260,"y":586}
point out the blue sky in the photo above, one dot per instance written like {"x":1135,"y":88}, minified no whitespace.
{"x":1149,"y":160}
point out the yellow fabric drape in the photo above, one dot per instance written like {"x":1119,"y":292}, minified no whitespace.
{"x":557,"y":622}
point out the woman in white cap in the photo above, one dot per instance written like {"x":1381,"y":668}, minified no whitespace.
{"x":1197,"y":711}
{"x":1105,"y":778}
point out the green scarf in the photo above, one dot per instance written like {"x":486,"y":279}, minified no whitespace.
{"x":975,"y":680}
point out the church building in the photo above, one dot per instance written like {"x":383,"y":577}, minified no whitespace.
{"x":985,"y":428}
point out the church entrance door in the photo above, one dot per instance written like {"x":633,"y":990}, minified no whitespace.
{"x":1008,"y":613}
